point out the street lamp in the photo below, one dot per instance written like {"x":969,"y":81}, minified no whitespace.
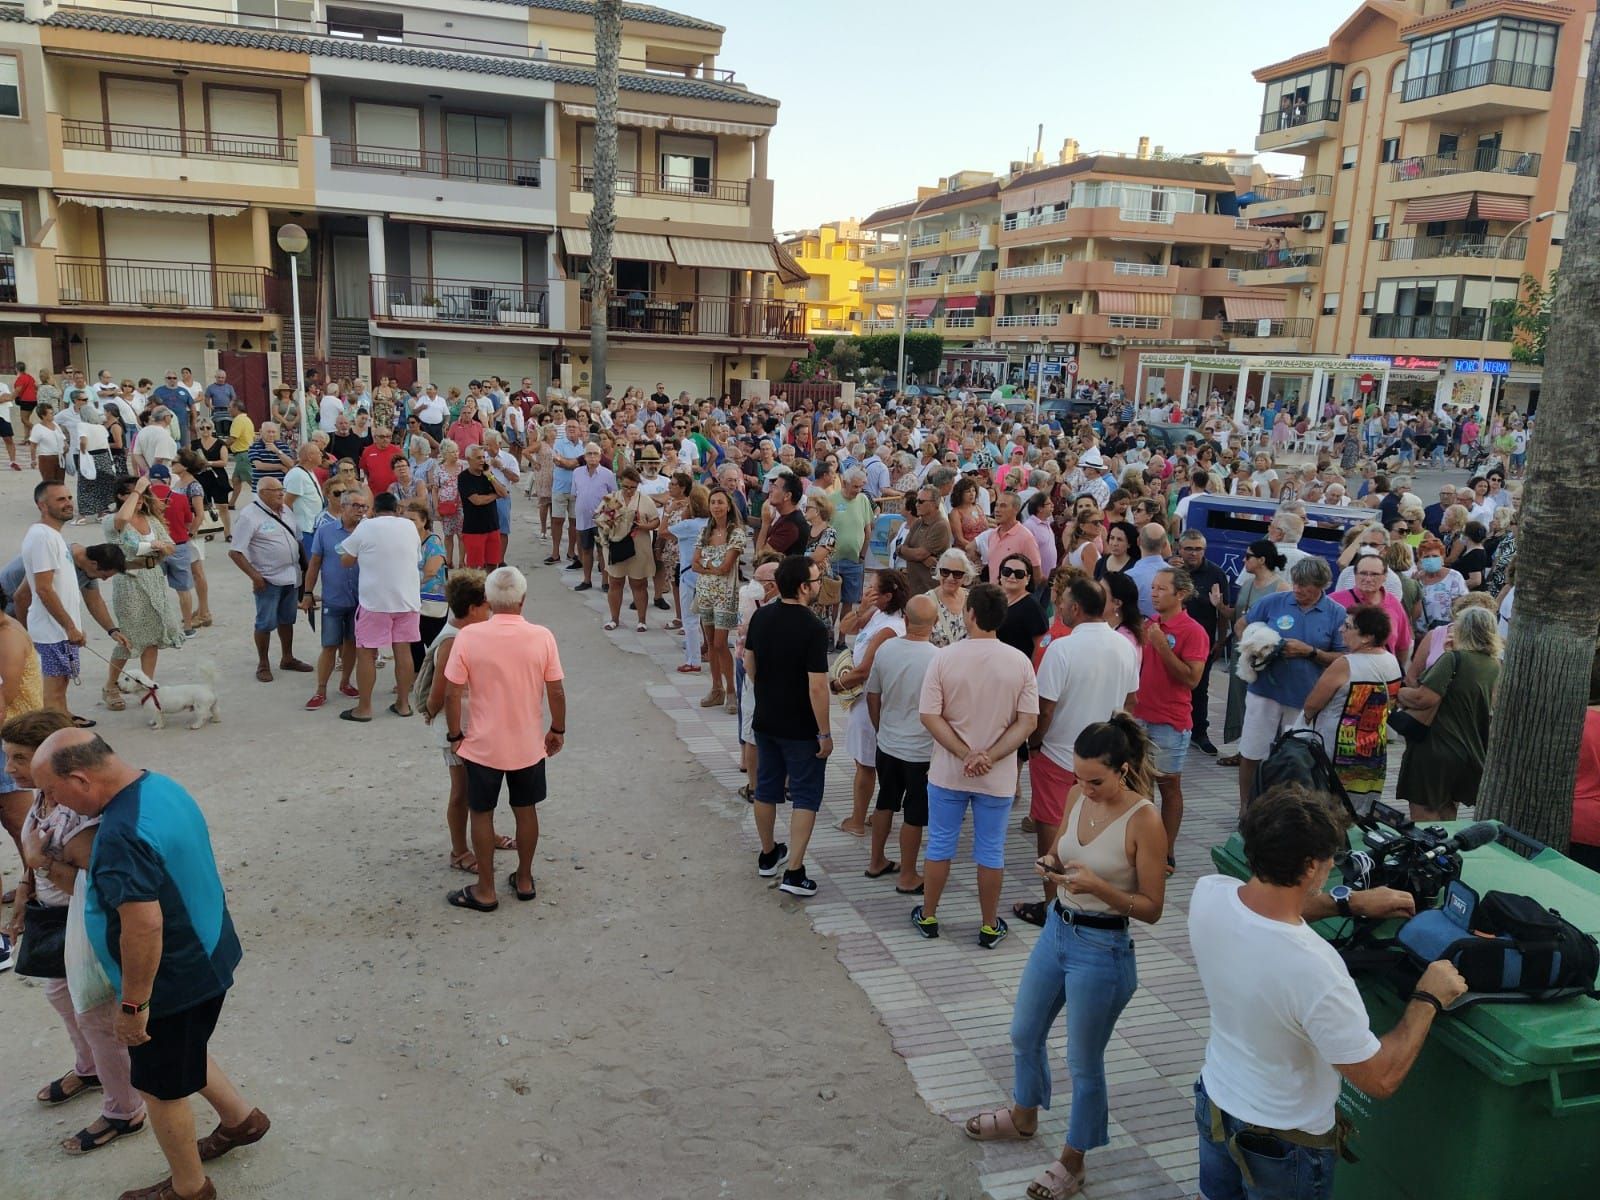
{"x":1040,"y":349}
{"x":905,"y":285}
{"x":1488,"y":312}
{"x":292,"y":240}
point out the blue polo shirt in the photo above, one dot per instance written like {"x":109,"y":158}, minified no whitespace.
{"x":339,"y":582}
{"x":1290,"y":680}
{"x":561,"y":481}
{"x":153,"y":845}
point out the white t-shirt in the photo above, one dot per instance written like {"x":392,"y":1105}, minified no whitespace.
{"x":387,"y":549}
{"x":92,"y":437}
{"x":503,"y":465}
{"x":44,"y":549}
{"x":155,"y":444}
{"x":1088,"y":674}
{"x":48,"y":441}
{"x":1283,"y":1011}
{"x":329,"y":409}
{"x":654,"y":487}
{"x":307,"y":503}
{"x":431,"y":410}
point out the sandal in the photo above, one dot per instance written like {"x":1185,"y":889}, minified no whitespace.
{"x":263,"y":674}
{"x":1055,"y":1182}
{"x":465,"y":899}
{"x":688,"y":669}
{"x":640,"y":627}
{"x":504,"y":841}
{"x":1034,"y":912}
{"x":82,"y":723}
{"x":996,"y":1125}
{"x":57,"y":1092}
{"x":674,"y":624}
{"x":87,"y":1139}
{"x":1228,"y":760}
{"x":465,"y":861}
{"x":113,"y":699}
{"x":609,"y":626}
{"x":531,"y":894}
{"x":713,"y":699}
{"x":893,"y":866}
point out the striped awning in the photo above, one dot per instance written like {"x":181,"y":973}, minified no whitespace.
{"x":1281,"y":221}
{"x":640,"y":247}
{"x":731,"y":256}
{"x":585,"y":112}
{"x":1502,"y":208}
{"x":920,"y":308}
{"x":728,"y":128}
{"x":1254,"y":308}
{"x":1136,"y":304}
{"x":960,"y":302}
{"x":1438,"y":208}
{"x":155,"y":206}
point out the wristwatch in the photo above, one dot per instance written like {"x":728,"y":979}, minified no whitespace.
{"x":454,"y":737}
{"x":824,"y":737}
{"x":133,"y":1010}
{"x":1341,"y":900}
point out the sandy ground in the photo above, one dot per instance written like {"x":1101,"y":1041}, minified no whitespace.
{"x":658,"y":1024}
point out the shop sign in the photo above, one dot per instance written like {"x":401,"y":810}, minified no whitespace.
{"x":1491,"y":366}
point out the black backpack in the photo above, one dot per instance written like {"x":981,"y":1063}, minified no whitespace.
{"x":1298,"y":756}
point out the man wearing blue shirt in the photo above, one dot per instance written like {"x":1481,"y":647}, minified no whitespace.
{"x":339,"y":584}
{"x":155,"y":913}
{"x":568,"y":451}
{"x":1311,"y":627}
{"x":178,"y":401}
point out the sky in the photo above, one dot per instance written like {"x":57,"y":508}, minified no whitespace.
{"x":879,"y":97}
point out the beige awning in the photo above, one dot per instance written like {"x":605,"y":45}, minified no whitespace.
{"x":640,"y":247}
{"x":729,"y":128}
{"x":585,"y":112}
{"x":1136,"y":304}
{"x":1254,"y":308}
{"x":156,"y":206}
{"x":734,"y":256}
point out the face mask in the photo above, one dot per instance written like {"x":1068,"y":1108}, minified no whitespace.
{"x":1432,"y":563}
{"x":1139,"y":442}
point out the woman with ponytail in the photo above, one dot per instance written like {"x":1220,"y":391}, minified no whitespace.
{"x":1109,"y":867}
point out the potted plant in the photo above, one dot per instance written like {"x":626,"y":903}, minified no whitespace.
{"x":426,"y":309}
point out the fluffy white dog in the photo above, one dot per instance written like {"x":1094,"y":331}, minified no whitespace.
{"x":169,"y":699}
{"x":1259,"y":645}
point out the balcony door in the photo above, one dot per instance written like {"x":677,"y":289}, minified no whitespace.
{"x":687,"y":164}
{"x":352,"y":295}
{"x":157,"y":260}
{"x":245,"y":122}
{"x":477,"y":146}
{"x":388,"y":135}
{"x":143,"y":115}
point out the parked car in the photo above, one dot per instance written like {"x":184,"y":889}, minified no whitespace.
{"x":1165,"y":439}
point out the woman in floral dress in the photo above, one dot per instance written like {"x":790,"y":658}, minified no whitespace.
{"x":146,"y":609}
{"x":544,"y":475}
{"x":448,"y":497}
{"x":716,"y":601}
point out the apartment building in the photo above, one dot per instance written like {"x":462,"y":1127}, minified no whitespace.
{"x":1437,"y":139}
{"x":830,"y":257}
{"x":441,"y":162}
{"x":1086,"y":263}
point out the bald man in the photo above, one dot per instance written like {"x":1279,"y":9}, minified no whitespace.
{"x":1153,"y":554}
{"x":905,"y":747}
{"x":157,"y":917}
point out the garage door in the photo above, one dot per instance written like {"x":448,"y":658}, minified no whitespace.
{"x":453,"y":365}
{"x":680,"y":372}
{"x":152,"y":352}
{"x":157,"y":260}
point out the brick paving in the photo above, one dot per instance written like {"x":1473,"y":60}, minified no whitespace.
{"x":947,"y":1003}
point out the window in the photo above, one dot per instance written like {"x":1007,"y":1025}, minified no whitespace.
{"x":1368,"y":299}
{"x":1391,"y":149}
{"x":686,"y":164}
{"x":1312,"y":96}
{"x":276,"y":14}
{"x":1380,"y":229}
{"x":1503,"y":51}
{"x":11,"y":225}
{"x":365,"y":25}
{"x":1341,"y":233}
{"x":1358,"y":87}
{"x":1572,"y":144}
{"x":10,"y":86}
{"x":1330,"y":303}
{"x":477,"y":147}
{"x":1347,"y":160}
{"x":1397,"y":81}
{"x":627,"y":159}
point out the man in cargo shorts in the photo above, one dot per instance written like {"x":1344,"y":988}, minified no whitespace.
{"x":568,"y":450}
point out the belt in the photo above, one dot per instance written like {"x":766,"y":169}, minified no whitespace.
{"x":1073,"y":916}
{"x":1336,"y":1139}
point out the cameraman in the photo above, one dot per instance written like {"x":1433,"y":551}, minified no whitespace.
{"x":1286,"y":1019}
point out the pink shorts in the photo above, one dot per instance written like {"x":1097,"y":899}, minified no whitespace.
{"x":380,"y":630}
{"x":1048,"y":782}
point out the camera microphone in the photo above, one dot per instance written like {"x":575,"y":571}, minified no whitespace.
{"x":1479,"y":833}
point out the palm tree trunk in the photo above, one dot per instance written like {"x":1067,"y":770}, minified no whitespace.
{"x":603,"y":216}
{"x":1544,"y":687}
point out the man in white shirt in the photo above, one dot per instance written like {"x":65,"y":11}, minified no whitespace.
{"x":55,"y":618}
{"x":389,"y":613}
{"x":266,"y":547}
{"x":155,"y":443}
{"x":1286,"y":1019}
{"x":305,"y":493}
{"x":431,"y":410}
{"x":502,"y":465}
{"x":329,"y":409}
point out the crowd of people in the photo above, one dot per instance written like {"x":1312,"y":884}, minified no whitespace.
{"x":991,"y":604}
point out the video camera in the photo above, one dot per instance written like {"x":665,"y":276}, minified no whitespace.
{"x":1400,"y":854}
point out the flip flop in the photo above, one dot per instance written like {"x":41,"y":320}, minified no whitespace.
{"x":465,"y":899}
{"x":916,"y":891}
{"x":531,"y":894}
{"x":839,"y":825}
{"x":894,"y":866}
{"x":349,"y":714}
{"x":1033,"y":912}
{"x":609,"y":626}
{"x":458,"y":862}
{"x":83,"y":723}
{"x":395,"y":709}
{"x":504,"y":842}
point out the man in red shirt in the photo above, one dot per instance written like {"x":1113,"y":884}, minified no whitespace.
{"x":1176,"y":649}
{"x":179,"y":516}
{"x":26,"y":389}
{"x":377,"y":460}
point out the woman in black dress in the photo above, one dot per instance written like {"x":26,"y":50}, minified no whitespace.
{"x":213,"y":477}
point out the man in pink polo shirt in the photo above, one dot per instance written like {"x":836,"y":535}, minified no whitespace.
{"x":1009,"y":536}
{"x":510,"y":665}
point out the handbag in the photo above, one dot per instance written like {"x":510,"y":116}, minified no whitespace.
{"x":620,"y":550}
{"x":44,"y":939}
{"x":1414,"y":728}
{"x":830,"y":591}
{"x":449,"y":508}
{"x":86,"y":466}
{"x":86,"y":978}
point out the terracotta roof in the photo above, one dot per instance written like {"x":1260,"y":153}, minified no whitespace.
{"x":643,"y":13}
{"x":936,"y":203}
{"x":1290,"y":66}
{"x":1147,"y":168}
{"x":1556,"y":14}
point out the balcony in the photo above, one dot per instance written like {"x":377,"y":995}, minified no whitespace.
{"x":1286,"y":265}
{"x":662,"y":315}
{"x":8,"y":279}
{"x":1147,"y":270}
{"x":882,"y":254}
{"x":1269,"y":335}
{"x":1460,"y":327}
{"x":1298,"y":123}
{"x":158,"y":285}
{"x":414,"y":300}
{"x":1293,"y":189}
{"x":435,"y":164}
{"x":648,"y":183}
{"x":968,"y":237}
{"x":1033,"y":270}
{"x":1455,"y":245}
{"x":965,"y":328}
{"x":1052,"y":216}
{"x":1485,"y":90}
{"x":1277,"y":203}
{"x":1507,"y":172}
{"x":176,"y":143}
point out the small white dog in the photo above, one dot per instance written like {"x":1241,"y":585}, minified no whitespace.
{"x":1259,"y":645}
{"x":168,"y":699}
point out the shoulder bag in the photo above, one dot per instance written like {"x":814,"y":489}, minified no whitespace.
{"x":42,"y":954}
{"x":1414,"y":725}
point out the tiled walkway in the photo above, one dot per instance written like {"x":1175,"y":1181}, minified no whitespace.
{"x":947,"y":1003}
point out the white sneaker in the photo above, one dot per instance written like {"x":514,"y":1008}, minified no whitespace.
{"x":7,"y":955}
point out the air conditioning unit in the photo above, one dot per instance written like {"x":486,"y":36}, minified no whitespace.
{"x":1110,"y":350}
{"x":1312,"y":222}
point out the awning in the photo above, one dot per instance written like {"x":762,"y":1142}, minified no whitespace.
{"x":640,"y":247}
{"x":920,"y":308}
{"x":156,"y":206}
{"x":648,"y":120}
{"x":729,"y":128}
{"x":790,"y":272}
{"x":732,"y":256}
{"x":1438,"y":208}
{"x":1136,"y":304}
{"x":1281,"y":221}
{"x":885,"y":312}
{"x":1254,"y":308}
{"x":960,"y":302}
{"x":1502,"y":208}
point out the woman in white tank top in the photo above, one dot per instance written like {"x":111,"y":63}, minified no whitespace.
{"x":1109,"y":866}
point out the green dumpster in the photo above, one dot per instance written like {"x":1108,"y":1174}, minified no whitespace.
{"x":1504,"y":1101}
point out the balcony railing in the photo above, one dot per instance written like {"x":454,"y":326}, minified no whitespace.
{"x":1151,"y":270}
{"x":1028,"y":321}
{"x":960,"y":322}
{"x":1299,"y":113}
{"x":1495,"y":162}
{"x":422,"y":300}
{"x":1034,"y":270}
{"x":1293,"y":189}
{"x":1153,"y":216}
{"x":879,"y":326}
{"x":1291,"y":327}
{"x":1500,"y":72}
{"x":435,"y":164}
{"x":139,"y":283}
{"x":177,"y":143}
{"x":1285,"y":258}
{"x":1457,"y":326}
{"x":648,"y":183}
{"x":965,"y":232}
{"x":664,"y":315}
{"x":925,"y":239}
{"x":963,"y":277}
{"x":1455,"y":245}
{"x":1053,"y":216}
{"x":1119,"y":321}
{"x":1235,"y":275}
{"x":8,"y":279}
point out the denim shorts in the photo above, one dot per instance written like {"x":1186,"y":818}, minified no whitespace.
{"x":276,"y":605}
{"x":850,"y":575}
{"x":502,"y":508}
{"x":175,"y":566}
{"x":338,"y":626}
{"x":1171,"y":747}
{"x":1279,"y":1170}
{"x":947,"y":810}
{"x":790,"y":762}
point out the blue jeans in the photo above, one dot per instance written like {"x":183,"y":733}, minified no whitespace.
{"x":1279,"y":1170}
{"x":851,"y":578}
{"x":1092,"y":972}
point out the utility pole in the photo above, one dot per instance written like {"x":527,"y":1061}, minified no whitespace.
{"x":603,"y":215}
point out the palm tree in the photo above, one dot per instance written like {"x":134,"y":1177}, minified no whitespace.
{"x":1544,"y":687}
{"x":603,"y":216}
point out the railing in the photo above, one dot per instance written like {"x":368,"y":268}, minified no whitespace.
{"x":703,"y":316}
{"x":963,"y":277}
{"x":1299,"y":113}
{"x":1495,"y":162}
{"x":869,"y":289}
{"x":1457,"y":326}
{"x":1154,"y":216}
{"x":8,"y":283}
{"x":1455,"y":245}
{"x":422,"y":300}
{"x":180,"y":143}
{"x":1265,"y":327}
{"x":965,"y":232}
{"x":960,"y":322}
{"x":919,"y":323}
{"x":140,"y":283}
{"x":879,"y":326}
{"x":1152,"y":270}
{"x":1293,"y":189}
{"x":1501,"y":72}
{"x":649,"y":183}
{"x":925,"y":239}
{"x":1053,"y":216}
{"x":402,"y":160}
{"x":1034,"y":270}
{"x":1028,"y":321}
{"x":1285,"y":258}
{"x":1118,"y":321}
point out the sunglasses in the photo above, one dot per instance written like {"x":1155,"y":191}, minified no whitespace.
{"x":1013,"y":573}
{"x":949,"y":573}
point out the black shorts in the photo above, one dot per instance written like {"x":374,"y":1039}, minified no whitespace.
{"x":586,"y":538}
{"x":172,"y":1064}
{"x":525,"y":786}
{"x":903,"y":784}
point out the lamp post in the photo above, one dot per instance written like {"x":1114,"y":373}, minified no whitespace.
{"x":292,"y":240}
{"x":1488,"y":312}
{"x":905,"y":285}
{"x":1040,"y":349}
